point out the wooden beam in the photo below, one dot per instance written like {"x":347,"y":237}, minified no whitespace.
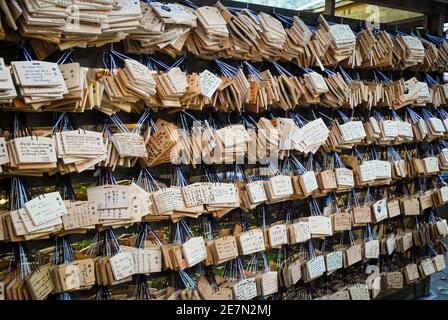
{"x":361,"y":11}
{"x":330,"y":7}
{"x":426,"y":6}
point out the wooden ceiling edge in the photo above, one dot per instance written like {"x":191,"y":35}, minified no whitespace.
{"x":408,"y":21}
{"x":419,"y":6}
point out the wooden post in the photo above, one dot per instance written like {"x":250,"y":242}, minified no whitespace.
{"x":330,"y":7}
{"x":434,"y":23}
